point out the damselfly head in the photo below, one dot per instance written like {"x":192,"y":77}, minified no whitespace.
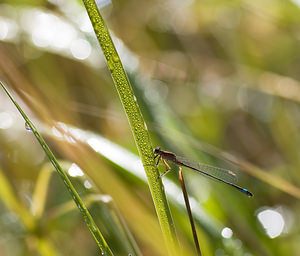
{"x":156,"y":150}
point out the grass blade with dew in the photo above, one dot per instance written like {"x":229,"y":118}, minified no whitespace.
{"x":105,"y":250}
{"x":137,"y":124}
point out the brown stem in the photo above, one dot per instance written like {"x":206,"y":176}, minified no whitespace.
{"x":188,"y":208}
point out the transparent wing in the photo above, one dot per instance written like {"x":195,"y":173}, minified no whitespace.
{"x":216,"y":172}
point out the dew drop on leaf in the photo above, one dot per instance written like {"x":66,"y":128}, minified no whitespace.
{"x":27,"y":127}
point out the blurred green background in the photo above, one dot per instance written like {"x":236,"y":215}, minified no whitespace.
{"x":217,"y":81}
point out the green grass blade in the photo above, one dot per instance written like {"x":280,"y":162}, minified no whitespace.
{"x":137,"y":123}
{"x":40,"y":191}
{"x":12,"y":202}
{"x":105,"y":250}
{"x":124,"y":227}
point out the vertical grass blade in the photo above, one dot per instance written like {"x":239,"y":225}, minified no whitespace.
{"x":137,"y":124}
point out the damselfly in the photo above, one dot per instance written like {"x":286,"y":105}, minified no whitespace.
{"x":220,"y":174}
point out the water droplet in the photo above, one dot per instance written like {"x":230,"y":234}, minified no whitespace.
{"x":27,"y":127}
{"x":115,"y":58}
{"x":110,"y":65}
{"x":94,"y":228}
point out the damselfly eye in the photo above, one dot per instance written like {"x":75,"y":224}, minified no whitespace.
{"x":156,"y":150}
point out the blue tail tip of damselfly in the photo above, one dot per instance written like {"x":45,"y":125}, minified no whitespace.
{"x":248,"y":193}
